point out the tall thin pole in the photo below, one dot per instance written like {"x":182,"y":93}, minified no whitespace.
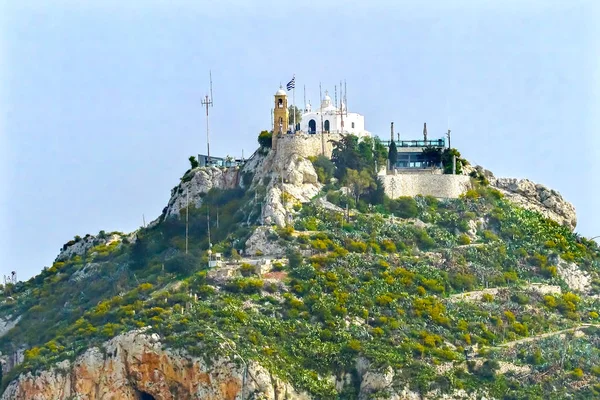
{"x":321,"y":113}
{"x":208,"y":102}
{"x":208,"y":225}
{"x":294,"y":101}
{"x":341,"y":108}
{"x":304,"y":98}
{"x":335,"y":95}
{"x":345,"y":98}
{"x":187,"y":219}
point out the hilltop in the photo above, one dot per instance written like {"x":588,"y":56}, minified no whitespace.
{"x":318,"y":285}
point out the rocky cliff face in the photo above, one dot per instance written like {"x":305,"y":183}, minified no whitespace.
{"x":134,"y":366}
{"x":81,"y":246}
{"x":535,"y":197}
{"x":198,"y":182}
{"x":289,"y":178}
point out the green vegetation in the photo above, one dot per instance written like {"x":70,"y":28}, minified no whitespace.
{"x":364,"y":285}
{"x":265,"y":139}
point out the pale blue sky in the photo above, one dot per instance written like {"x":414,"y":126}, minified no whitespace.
{"x":100,"y":101}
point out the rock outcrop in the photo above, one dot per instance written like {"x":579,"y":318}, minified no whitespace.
{"x":134,"y":365}
{"x":80,"y":246}
{"x":198,"y":182}
{"x":535,"y":197}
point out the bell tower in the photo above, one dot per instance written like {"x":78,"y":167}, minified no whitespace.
{"x":280,"y":115}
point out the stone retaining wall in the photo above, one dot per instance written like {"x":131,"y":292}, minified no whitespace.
{"x":306,"y":145}
{"x":441,"y":186}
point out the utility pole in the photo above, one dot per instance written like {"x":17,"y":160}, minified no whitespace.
{"x":187,"y":219}
{"x":321,"y":113}
{"x":208,"y":101}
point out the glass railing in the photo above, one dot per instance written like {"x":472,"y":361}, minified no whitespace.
{"x":417,"y":143}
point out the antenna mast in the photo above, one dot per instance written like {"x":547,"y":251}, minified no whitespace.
{"x":345,"y":98}
{"x":187,"y":219}
{"x":208,"y":101}
{"x":321,"y":113}
{"x":342,"y":107}
{"x":335,"y":94}
{"x":304,"y":98}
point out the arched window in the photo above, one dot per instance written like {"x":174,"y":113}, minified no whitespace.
{"x":353,"y":125}
{"x":280,"y":103}
{"x":312,"y":126}
{"x":326,"y":125}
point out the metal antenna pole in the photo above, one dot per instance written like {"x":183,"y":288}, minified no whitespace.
{"x":448,"y":134}
{"x":208,"y":225}
{"x":187,"y":219}
{"x":335,"y":94}
{"x":208,"y":102}
{"x":304,"y":98}
{"x":321,"y":114}
{"x":341,"y":108}
{"x":345,"y":98}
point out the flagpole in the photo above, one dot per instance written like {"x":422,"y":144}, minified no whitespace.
{"x":294,"y":101}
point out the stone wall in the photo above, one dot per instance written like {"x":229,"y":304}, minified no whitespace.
{"x":306,"y":145}
{"x":441,"y":186}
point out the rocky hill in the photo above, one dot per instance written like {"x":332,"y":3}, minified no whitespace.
{"x":326,"y":288}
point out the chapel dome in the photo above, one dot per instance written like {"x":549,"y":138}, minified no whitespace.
{"x":326,"y":101}
{"x":281,"y":92}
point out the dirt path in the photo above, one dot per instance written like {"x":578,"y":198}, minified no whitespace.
{"x":477,"y":295}
{"x":545,"y":335}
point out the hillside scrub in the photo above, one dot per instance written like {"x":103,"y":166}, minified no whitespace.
{"x":373,"y":285}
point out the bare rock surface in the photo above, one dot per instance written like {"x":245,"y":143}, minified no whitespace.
{"x":574,"y":277}
{"x":533,"y":196}
{"x":197,"y":183}
{"x":80,"y":246}
{"x":135,"y":363}
{"x":260,"y":244}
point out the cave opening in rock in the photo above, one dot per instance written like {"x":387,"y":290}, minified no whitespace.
{"x":143,"y":395}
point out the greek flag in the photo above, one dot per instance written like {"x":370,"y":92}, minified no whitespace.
{"x":291,"y":84}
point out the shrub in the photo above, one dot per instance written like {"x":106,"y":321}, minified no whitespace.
{"x":265,"y":139}
{"x":324,"y":168}
{"x":388,"y":246}
{"x":193,"y":162}
{"x":404,"y":207}
{"x":181,"y":263}
{"x":464,"y":239}
{"x":487,"y":297}
{"x":488,"y":369}
{"x":247,"y":269}
{"x":577,"y":373}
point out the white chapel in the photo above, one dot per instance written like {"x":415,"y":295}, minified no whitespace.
{"x":330,"y":119}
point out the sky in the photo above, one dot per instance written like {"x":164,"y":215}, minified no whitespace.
{"x":100,"y":101}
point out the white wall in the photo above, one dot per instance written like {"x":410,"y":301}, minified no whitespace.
{"x":335,"y":122}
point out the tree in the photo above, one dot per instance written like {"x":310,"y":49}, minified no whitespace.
{"x":447,"y":161}
{"x":433,"y":155}
{"x":359,"y":182}
{"x":265,"y":139}
{"x":324,"y":168}
{"x":193,"y":162}
{"x":294,"y":258}
{"x":293,"y":109}
{"x":393,"y":155}
{"x":345,"y":155}
{"x":181,"y":263}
